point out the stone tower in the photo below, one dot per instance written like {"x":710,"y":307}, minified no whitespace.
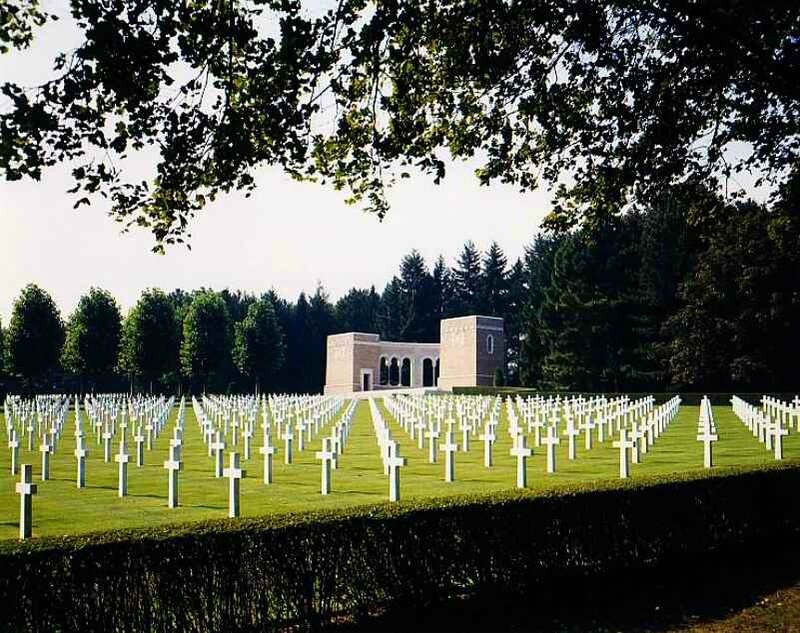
{"x":472,"y":348}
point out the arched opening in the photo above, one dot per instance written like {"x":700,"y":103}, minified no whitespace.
{"x":383,"y":377}
{"x":436,"y":373}
{"x":490,"y":344}
{"x":427,"y":372}
{"x":394,"y":373}
{"x":405,"y":373}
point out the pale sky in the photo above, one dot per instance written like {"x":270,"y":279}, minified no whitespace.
{"x":286,"y":236}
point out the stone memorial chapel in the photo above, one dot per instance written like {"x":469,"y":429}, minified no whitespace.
{"x":471,"y":348}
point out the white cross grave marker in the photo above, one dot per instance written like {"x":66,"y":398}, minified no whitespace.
{"x":139,"y":438}
{"x":449,"y":449}
{"x":234,"y":473}
{"x":219,"y":447}
{"x":395,"y":464}
{"x":522,"y":453}
{"x":45,"y":449}
{"x":288,"y":438}
{"x":107,"y":435}
{"x":551,"y":440}
{"x":122,"y":458}
{"x":267,"y":451}
{"x":13,"y":444}
{"x":80,"y":455}
{"x":432,"y":434}
{"x":777,"y":440}
{"x":707,"y":437}
{"x":25,"y":489}
{"x":488,"y":438}
{"x":174,"y":466}
{"x":326,"y":455}
{"x":623,"y":444}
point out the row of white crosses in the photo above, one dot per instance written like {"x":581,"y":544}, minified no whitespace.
{"x":390,"y":451}
{"x":305,"y":416}
{"x":41,"y":418}
{"x":333,"y":447}
{"x":45,"y":417}
{"x":111,"y":417}
{"x":108,"y":416}
{"x":788,"y":413}
{"x":767,"y":422}
{"x":644,"y":434}
{"x":411,"y":411}
{"x":296,"y":419}
{"x":707,"y":431}
{"x":422,"y":421}
{"x":639,"y":424}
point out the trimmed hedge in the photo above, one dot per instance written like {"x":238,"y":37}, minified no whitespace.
{"x":691,"y":399}
{"x":304,"y":571}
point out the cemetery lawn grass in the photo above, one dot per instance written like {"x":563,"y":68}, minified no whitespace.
{"x":60,"y":508}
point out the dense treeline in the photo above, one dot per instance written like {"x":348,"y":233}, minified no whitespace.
{"x":653,"y":300}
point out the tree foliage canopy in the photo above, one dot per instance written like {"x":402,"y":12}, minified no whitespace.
{"x":207,"y":336}
{"x":258,"y":344}
{"x":93,"y":334}
{"x":35,"y":333}
{"x":149,"y":345}
{"x":606,"y":103}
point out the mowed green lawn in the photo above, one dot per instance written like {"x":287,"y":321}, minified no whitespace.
{"x":60,"y":508}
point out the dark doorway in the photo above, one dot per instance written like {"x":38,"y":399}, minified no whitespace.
{"x":394,"y":372}
{"x":405,"y":373}
{"x":427,"y":373}
{"x":365,"y":382}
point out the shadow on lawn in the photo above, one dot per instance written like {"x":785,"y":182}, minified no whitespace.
{"x":655,"y":599}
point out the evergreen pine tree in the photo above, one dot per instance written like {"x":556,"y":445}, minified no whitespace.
{"x":494,"y":283}
{"x":539,"y":261}
{"x":322,"y":323}
{"x":443,"y":291}
{"x":514,"y":318}
{"x":467,"y":281}
{"x":417,"y":307}
{"x":391,"y":311}
{"x":358,"y":311}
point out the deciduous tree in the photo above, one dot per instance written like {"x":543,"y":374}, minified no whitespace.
{"x":150,"y":339}
{"x":258,"y":345}
{"x":35,"y":334}
{"x":207,"y":337}
{"x":93,"y":335}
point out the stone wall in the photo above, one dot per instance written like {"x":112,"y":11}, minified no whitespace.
{"x":488,"y":361}
{"x":344,"y":355}
{"x":467,"y":360}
